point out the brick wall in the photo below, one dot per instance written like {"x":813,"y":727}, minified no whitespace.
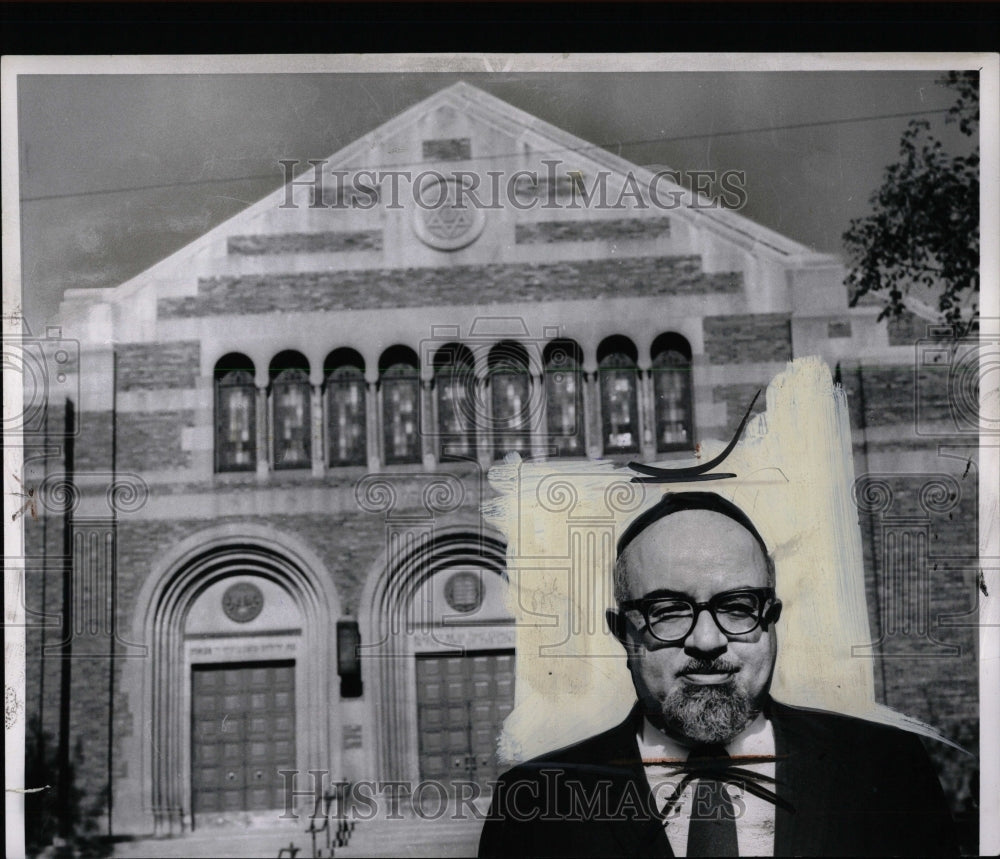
{"x":737,"y":398}
{"x":43,"y":580}
{"x":748,"y":338}
{"x":150,"y":366}
{"x":915,"y":673}
{"x":423,"y":287}
{"x":305,"y":243}
{"x":151,"y":441}
{"x":619,"y":229}
{"x":895,"y":395}
{"x":92,"y":445}
{"x":945,"y":577}
{"x":347,"y":544}
{"x":88,"y":671}
{"x":447,"y":149}
{"x":147,"y":441}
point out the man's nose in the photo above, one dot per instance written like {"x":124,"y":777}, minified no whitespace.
{"x":706,"y":637}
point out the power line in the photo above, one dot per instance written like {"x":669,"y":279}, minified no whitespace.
{"x":156,"y":187}
{"x":816,"y":124}
{"x":590,"y":146}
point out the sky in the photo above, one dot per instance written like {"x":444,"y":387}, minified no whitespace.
{"x":119,"y":171}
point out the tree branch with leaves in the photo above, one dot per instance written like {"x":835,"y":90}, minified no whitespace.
{"x":924,"y":227}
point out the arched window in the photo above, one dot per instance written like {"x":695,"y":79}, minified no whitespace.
{"x":344,"y":380}
{"x":290,"y":406}
{"x":454,"y":384}
{"x":564,"y":397}
{"x":671,"y":356}
{"x":510,"y":385}
{"x":400,"y":384}
{"x":619,"y":382}
{"x":235,"y":414}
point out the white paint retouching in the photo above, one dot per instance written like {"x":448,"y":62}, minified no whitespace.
{"x":794,"y":477}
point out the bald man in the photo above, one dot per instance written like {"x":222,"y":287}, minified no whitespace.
{"x":707,"y":763}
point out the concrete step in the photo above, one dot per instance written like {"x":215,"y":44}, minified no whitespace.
{"x":263,"y":842}
{"x":411,"y":836}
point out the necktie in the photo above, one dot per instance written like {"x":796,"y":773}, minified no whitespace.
{"x":712,"y":829}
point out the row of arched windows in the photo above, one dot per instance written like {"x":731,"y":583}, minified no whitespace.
{"x":515,"y":403}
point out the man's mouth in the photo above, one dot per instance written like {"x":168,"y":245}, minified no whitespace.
{"x":708,"y":677}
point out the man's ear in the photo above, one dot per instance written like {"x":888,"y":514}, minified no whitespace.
{"x":773,"y":613}
{"x":616,"y":623}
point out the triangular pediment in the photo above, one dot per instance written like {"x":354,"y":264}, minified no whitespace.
{"x":362,"y":205}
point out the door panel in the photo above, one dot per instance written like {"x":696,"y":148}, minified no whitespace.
{"x":461,"y":704}
{"x":242,"y":733}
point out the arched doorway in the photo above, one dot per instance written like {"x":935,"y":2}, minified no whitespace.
{"x":440,"y":654}
{"x":237,"y":683}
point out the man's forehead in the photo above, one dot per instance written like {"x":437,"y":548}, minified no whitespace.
{"x":694,"y":552}
{"x":698,"y":531}
{"x":674,"y":504}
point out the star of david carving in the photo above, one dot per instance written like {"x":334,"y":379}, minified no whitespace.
{"x":448,"y":222}
{"x":448,"y":226}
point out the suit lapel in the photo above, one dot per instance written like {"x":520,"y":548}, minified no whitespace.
{"x":786,"y":778}
{"x":643,"y":837}
{"x":629,"y":790}
{"x":799,"y":774}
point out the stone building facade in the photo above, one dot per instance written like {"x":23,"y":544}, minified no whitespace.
{"x":276,"y":442}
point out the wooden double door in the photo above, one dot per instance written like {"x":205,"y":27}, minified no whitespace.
{"x":462,"y":701}
{"x":242,"y":734}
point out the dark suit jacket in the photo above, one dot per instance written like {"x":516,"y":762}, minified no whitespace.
{"x":856,"y":789}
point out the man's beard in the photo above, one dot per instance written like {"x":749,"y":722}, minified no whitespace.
{"x":708,"y":714}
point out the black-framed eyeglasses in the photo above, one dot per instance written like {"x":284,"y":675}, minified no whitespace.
{"x":735,"y":612}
